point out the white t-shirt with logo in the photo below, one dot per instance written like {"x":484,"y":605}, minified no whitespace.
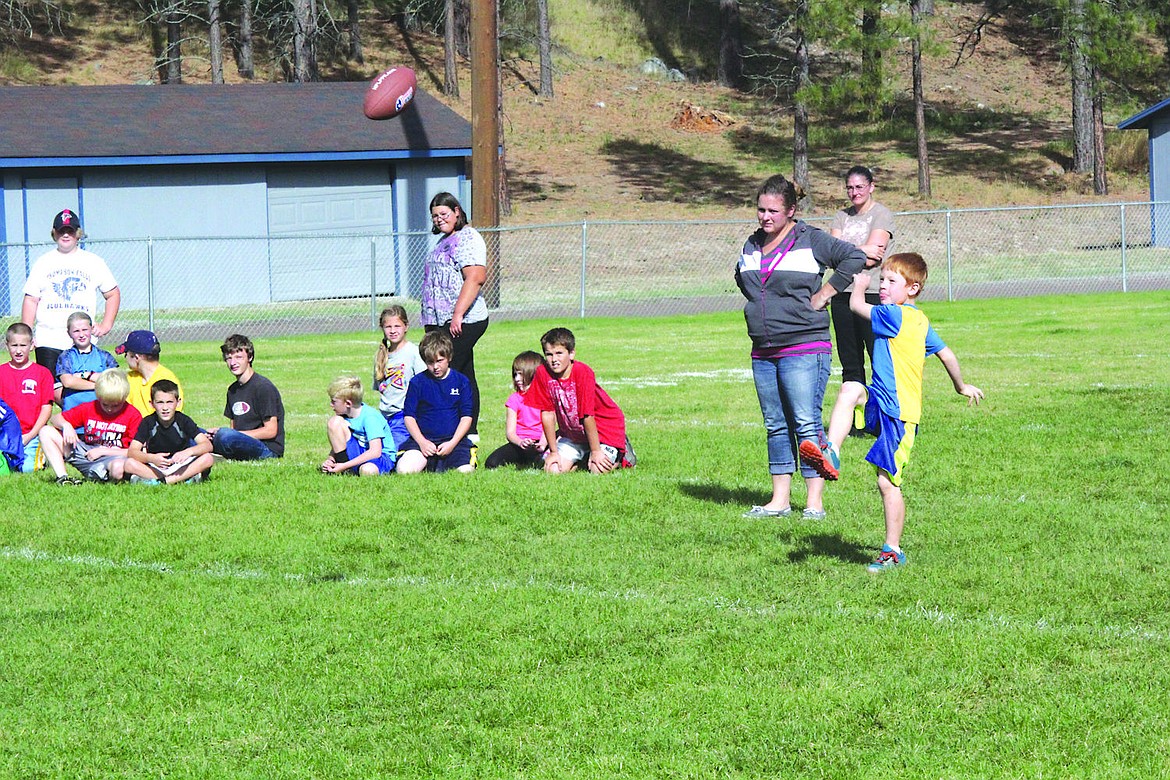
{"x":65,"y":283}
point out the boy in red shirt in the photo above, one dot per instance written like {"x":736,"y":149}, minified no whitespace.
{"x":582,"y":424}
{"x":27,"y":387}
{"x":108,"y":426}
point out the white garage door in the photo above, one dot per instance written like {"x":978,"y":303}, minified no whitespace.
{"x":307,"y":210}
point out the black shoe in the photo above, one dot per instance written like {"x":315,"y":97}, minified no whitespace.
{"x":67,"y":480}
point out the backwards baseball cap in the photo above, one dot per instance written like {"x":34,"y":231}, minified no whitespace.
{"x":142,"y":342}
{"x":67,"y":219}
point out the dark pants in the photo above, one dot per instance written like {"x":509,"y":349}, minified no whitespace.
{"x":854,"y":336}
{"x":463,"y":360}
{"x":510,"y":454}
{"x":47,"y":357}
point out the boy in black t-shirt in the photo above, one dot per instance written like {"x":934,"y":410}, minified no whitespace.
{"x":169,"y":447}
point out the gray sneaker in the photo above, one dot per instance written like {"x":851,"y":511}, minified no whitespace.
{"x":759,"y":512}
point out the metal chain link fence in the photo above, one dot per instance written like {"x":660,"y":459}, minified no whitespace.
{"x":205,"y":288}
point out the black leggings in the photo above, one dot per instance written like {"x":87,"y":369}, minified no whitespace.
{"x":854,"y":336}
{"x":463,"y":360}
{"x":510,"y":454}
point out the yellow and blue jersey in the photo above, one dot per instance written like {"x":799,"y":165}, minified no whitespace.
{"x":903,"y":339}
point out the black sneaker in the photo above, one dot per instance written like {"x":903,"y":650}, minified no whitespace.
{"x":629,"y":458}
{"x":65,"y":479}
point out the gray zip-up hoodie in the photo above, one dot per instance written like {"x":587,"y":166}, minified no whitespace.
{"x":778,"y":311}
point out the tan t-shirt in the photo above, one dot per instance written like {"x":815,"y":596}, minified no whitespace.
{"x":855,"y":228}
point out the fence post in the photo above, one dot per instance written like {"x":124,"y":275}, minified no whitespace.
{"x":373,"y":284}
{"x":1124,"y":259}
{"x":950,"y":262}
{"x":584,"y":252}
{"x":150,"y":284}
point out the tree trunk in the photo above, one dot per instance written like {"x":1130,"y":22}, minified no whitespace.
{"x":305,"y":41}
{"x":450,"y":60}
{"x":355,"y":32}
{"x":1082,"y":90}
{"x":544,"y":39}
{"x":730,"y":45}
{"x":919,"y":101}
{"x":871,"y":55}
{"x":243,"y":45}
{"x":215,"y":40}
{"x":1100,"y":183}
{"x":463,"y":27}
{"x":800,"y":118}
{"x":174,"y":51}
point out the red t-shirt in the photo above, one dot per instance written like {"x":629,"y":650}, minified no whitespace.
{"x":573,"y":399}
{"x":26,"y":390}
{"x":101,"y":429}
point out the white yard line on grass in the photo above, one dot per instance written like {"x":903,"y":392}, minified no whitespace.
{"x":918,"y":613}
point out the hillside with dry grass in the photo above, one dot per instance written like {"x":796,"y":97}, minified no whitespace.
{"x":616,"y":144}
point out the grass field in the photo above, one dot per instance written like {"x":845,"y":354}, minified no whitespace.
{"x":276,"y":623}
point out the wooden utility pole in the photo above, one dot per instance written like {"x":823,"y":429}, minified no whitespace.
{"x":485,"y":135}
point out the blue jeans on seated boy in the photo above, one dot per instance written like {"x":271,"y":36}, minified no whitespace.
{"x":234,"y":445}
{"x":791,"y":391}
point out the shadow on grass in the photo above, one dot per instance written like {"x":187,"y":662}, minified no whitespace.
{"x":659,"y":173}
{"x":719,"y":494}
{"x":830,"y":546}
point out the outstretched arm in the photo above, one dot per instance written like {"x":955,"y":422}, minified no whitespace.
{"x":857,"y":302}
{"x":951,"y":364}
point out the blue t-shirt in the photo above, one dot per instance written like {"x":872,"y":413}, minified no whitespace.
{"x":72,"y":361}
{"x":437,"y":405}
{"x":368,"y":425}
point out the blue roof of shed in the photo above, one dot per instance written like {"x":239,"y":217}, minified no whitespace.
{"x":1142,"y":120}
{"x":72,"y":126}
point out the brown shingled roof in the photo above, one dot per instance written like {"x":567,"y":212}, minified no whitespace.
{"x":46,"y":122}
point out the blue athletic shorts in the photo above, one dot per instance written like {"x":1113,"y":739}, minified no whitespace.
{"x":464,"y":454}
{"x":895,"y":439}
{"x":385,"y":462}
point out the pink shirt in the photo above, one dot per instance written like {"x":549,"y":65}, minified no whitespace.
{"x":527,"y":418}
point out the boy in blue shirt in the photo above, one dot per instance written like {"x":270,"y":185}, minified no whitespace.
{"x":360,"y":441}
{"x":79,"y":366}
{"x":437,"y":413}
{"x":892,"y":404}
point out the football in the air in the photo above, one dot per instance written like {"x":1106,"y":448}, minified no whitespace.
{"x":389,"y":93}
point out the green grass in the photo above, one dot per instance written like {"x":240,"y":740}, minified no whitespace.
{"x":277,"y":623}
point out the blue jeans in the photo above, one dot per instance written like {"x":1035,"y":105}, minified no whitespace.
{"x":234,"y":445}
{"x":791,"y":391}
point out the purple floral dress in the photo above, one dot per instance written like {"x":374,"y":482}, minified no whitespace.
{"x":443,"y":277}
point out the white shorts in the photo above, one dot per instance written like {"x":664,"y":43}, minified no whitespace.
{"x":577,"y":452}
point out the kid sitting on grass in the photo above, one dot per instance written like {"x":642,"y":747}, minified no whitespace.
{"x":108,"y":424}
{"x":438,"y":413}
{"x":142,"y":349}
{"x":526,"y":444}
{"x":396,"y":363}
{"x":360,"y":440}
{"x":582,"y":424}
{"x":893,"y":402}
{"x":27,"y":388}
{"x":79,"y":365}
{"x":169,"y":447}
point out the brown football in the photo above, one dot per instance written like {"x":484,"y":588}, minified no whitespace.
{"x":389,"y":93}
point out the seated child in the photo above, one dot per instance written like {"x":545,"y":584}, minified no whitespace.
{"x":79,"y":365}
{"x":254,"y":408}
{"x":27,"y":388}
{"x":582,"y":424}
{"x":360,"y":441}
{"x":396,"y":363}
{"x":892,"y":404}
{"x":526,"y":444}
{"x":438,"y":413}
{"x":169,"y":447}
{"x":108,"y":425}
{"x":142,"y":349}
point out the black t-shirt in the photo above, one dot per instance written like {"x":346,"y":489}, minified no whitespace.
{"x":250,"y":404}
{"x":167,"y":439}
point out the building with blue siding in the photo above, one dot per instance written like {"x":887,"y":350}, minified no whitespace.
{"x":212,"y":163}
{"x":1156,"y":121}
